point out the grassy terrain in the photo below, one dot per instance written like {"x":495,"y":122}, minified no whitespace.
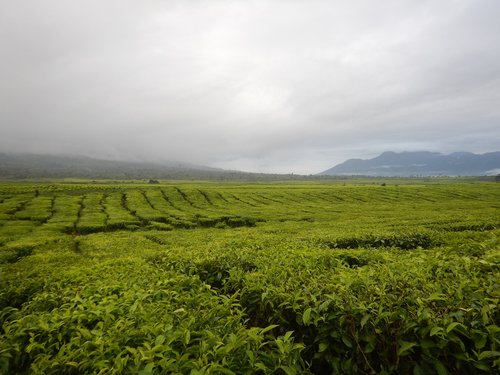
{"x":208,"y":278}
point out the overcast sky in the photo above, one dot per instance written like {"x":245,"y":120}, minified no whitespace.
{"x":269,"y":86}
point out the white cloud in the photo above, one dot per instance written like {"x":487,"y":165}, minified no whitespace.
{"x":282,"y":86}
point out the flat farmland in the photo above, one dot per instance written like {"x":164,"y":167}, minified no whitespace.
{"x":226,"y":278}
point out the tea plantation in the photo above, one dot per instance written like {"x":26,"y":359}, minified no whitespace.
{"x":212,"y":278}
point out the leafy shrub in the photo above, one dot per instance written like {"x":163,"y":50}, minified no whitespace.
{"x":12,"y":255}
{"x":477,"y":227}
{"x":227,"y":221}
{"x":144,"y":322}
{"x":405,"y":241}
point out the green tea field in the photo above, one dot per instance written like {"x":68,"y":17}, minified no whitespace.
{"x":226,"y":278}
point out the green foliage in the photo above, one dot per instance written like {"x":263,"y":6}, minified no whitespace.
{"x":14,"y":254}
{"x":405,"y":241}
{"x":149,"y":321}
{"x":224,"y":278}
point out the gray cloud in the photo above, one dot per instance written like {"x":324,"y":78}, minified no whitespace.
{"x":281,"y":86}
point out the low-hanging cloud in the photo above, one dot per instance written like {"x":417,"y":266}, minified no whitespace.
{"x":273,"y":86}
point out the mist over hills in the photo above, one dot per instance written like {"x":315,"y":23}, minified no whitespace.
{"x":423,"y":163}
{"x":25,"y":165}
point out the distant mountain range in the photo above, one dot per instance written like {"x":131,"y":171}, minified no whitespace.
{"x":388,"y":164}
{"x":406,"y":164}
